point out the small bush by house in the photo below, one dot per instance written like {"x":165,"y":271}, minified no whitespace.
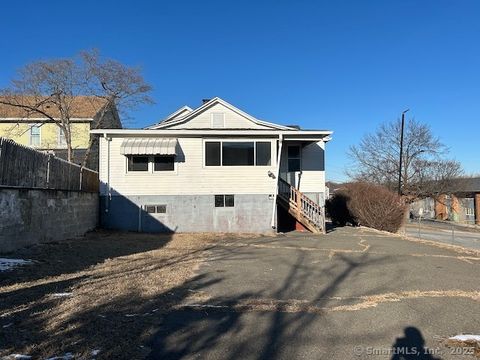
{"x":368,"y":205}
{"x":338,"y":210}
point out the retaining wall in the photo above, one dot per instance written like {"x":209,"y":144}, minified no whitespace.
{"x":31,"y":216}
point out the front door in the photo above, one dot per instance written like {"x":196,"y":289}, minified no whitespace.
{"x":294,"y":165}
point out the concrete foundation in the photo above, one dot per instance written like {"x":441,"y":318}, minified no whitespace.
{"x":188,"y":213}
{"x":30,"y":216}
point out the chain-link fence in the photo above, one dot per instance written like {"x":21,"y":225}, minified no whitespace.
{"x":465,"y":234}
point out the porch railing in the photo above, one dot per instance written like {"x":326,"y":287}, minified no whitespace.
{"x":305,"y":210}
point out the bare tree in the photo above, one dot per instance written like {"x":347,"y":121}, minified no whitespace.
{"x":121,"y":87}
{"x":425,"y":171}
{"x":49,"y":89}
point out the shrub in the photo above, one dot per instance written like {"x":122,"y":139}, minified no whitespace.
{"x":337,"y":209}
{"x":368,"y":205}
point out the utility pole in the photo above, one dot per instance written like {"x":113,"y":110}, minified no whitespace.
{"x":401,"y":154}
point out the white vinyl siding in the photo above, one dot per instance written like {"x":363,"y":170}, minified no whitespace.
{"x":232,"y":120}
{"x":191,"y":176}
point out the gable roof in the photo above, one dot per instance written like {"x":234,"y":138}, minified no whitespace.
{"x":180,"y":113}
{"x":169,"y":121}
{"x":467,"y":185}
{"x":82,"y":107}
{"x":176,"y":115}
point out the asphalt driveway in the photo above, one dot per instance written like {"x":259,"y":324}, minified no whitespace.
{"x":351,"y":294}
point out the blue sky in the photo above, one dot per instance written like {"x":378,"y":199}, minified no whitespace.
{"x":341,"y":65}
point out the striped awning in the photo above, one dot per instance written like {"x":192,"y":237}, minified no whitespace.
{"x":149,"y":146}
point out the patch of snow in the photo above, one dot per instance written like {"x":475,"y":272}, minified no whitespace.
{"x":130,"y":315}
{"x":64,"y":294}
{"x":8,"y":264}
{"x":7,"y":326}
{"x":18,"y":356}
{"x":465,"y":337}
{"x":95,"y":352}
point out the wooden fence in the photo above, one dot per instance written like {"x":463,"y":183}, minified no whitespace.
{"x":23,"y":167}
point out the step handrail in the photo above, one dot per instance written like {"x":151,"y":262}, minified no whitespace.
{"x":302,"y":203}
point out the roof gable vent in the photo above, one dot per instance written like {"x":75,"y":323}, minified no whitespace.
{"x":218,"y":120}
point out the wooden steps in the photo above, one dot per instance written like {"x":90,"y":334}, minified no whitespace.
{"x":304,"y":210}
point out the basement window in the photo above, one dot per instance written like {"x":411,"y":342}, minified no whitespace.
{"x":150,"y":209}
{"x":137,"y":163}
{"x":155,"y":209}
{"x":224,"y":200}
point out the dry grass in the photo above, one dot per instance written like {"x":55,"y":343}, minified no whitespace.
{"x":360,"y":302}
{"x":119,"y":283}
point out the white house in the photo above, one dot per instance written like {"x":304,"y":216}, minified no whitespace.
{"x":213,"y":168}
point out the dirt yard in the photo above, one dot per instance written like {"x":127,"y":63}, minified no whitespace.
{"x":113,"y":285}
{"x":345,"y":295}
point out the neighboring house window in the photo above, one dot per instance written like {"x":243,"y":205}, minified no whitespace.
{"x":218,"y":120}
{"x":62,"y":141}
{"x":137,"y":163}
{"x":35,"y":135}
{"x":164,"y":163}
{"x":238,"y":153}
{"x":224,"y":201}
{"x":469,"y":211}
{"x":293,"y":158}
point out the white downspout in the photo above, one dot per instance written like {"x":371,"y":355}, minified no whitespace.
{"x":279,"y":156}
{"x":109,"y":194}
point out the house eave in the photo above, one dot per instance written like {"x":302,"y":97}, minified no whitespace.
{"x":286,"y":134}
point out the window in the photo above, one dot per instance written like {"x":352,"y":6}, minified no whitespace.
{"x":161,"y":209}
{"x":293,"y":158}
{"x":155,"y":209}
{"x":229,"y":201}
{"x":224,"y":201}
{"x":218,"y":120}
{"x":212,"y":153}
{"x":164,"y":163}
{"x":219,"y":200}
{"x":263,"y":153}
{"x":62,"y":141}
{"x":35,"y":135}
{"x":150,"y":209}
{"x":137,"y":163}
{"x":237,"y":153}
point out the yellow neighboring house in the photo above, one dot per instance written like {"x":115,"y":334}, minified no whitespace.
{"x":33,"y":130}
